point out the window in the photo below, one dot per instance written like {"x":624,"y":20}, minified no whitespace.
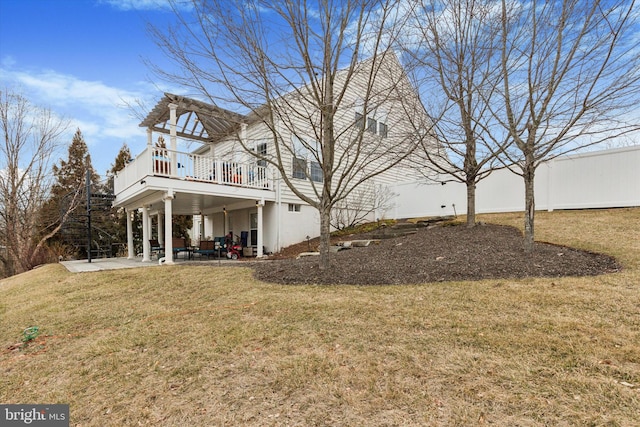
{"x":299,"y":168}
{"x":383,"y":129}
{"x":315,"y":172}
{"x":305,"y":164}
{"x":261,"y":149}
{"x":372,"y":125}
{"x":294,"y":207}
{"x":374,"y":121}
{"x":359,"y":121}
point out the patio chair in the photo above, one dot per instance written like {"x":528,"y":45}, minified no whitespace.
{"x":208,"y":248}
{"x":180,"y":245}
{"x":155,"y":247}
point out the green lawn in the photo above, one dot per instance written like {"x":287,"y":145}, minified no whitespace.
{"x":209,"y":345}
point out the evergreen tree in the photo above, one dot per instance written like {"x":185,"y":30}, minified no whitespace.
{"x":122,"y":158}
{"x":70,"y":179}
{"x":71,"y":174}
{"x":181,"y":225}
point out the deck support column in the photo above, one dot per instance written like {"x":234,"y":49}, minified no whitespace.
{"x":173,"y":122}
{"x":260,"y":205}
{"x":146,"y":249}
{"x":160,"y":229}
{"x":168,"y":227}
{"x":130,"y":249}
{"x":202,"y":227}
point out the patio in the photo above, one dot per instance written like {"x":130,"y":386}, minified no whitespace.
{"x":103,"y":264}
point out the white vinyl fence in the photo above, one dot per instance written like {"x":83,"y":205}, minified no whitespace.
{"x":601,"y":179}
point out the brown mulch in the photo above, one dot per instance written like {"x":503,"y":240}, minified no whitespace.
{"x":435,"y":254}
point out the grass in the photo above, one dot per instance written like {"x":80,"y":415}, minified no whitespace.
{"x":203,"y":345}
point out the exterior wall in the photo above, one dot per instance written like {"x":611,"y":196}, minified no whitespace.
{"x":213,"y":226}
{"x":238,"y":221}
{"x":392,"y":96}
{"x":271,"y":227}
{"x":296,"y":226}
{"x":391,"y":88}
{"x":602,"y":179}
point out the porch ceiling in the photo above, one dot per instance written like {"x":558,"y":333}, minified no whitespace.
{"x":189,"y":203}
{"x":194,"y":204}
{"x":196,"y":120}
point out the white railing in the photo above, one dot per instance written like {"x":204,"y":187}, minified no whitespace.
{"x":192,"y":167}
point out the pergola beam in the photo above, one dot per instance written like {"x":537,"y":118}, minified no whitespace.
{"x":215,"y":122}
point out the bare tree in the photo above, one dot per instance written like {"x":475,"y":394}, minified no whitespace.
{"x":297,"y":68}
{"x":31,"y":136}
{"x":452,"y":46}
{"x":570,"y":73}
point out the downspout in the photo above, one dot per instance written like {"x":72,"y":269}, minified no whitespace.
{"x":168,"y":226}
{"x":278,"y":199}
{"x":260,"y":205}
{"x":278,"y":215}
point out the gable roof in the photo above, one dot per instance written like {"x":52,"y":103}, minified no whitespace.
{"x":198,"y":120}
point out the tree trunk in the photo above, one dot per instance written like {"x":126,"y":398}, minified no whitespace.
{"x":471,"y":204}
{"x":325,"y":236}
{"x":530,"y":206}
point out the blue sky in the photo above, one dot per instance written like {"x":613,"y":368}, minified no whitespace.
{"x":83,"y":59}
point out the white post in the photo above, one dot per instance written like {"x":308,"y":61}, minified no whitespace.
{"x":224,"y":221}
{"x":160,"y":230}
{"x":173,"y":122}
{"x":168,"y":230}
{"x":260,"y":205}
{"x":130,"y":249}
{"x":202,"y":232}
{"x":146,"y":251}
{"x":149,"y":137}
{"x":278,"y":216}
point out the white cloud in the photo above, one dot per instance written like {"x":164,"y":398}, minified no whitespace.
{"x":127,"y":5}
{"x":68,"y":93}
{"x":7,"y":61}
{"x":99,"y":110}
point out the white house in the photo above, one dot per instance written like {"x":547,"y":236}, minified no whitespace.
{"x":228,"y":189}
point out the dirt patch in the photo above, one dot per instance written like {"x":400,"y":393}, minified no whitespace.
{"x":435,"y":254}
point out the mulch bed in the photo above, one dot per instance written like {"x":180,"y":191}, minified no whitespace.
{"x":440,"y":253}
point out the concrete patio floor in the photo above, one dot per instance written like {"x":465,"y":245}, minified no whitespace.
{"x":101,"y":264}
{"x":82,"y":265}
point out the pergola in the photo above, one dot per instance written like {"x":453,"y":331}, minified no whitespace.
{"x":195,"y":119}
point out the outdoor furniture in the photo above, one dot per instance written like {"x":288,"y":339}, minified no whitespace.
{"x":208,"y":248}
{"x":180,"y":245}
{"x":155,"y":247}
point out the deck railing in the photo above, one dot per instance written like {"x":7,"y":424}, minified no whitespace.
{"x":192,"y":167}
